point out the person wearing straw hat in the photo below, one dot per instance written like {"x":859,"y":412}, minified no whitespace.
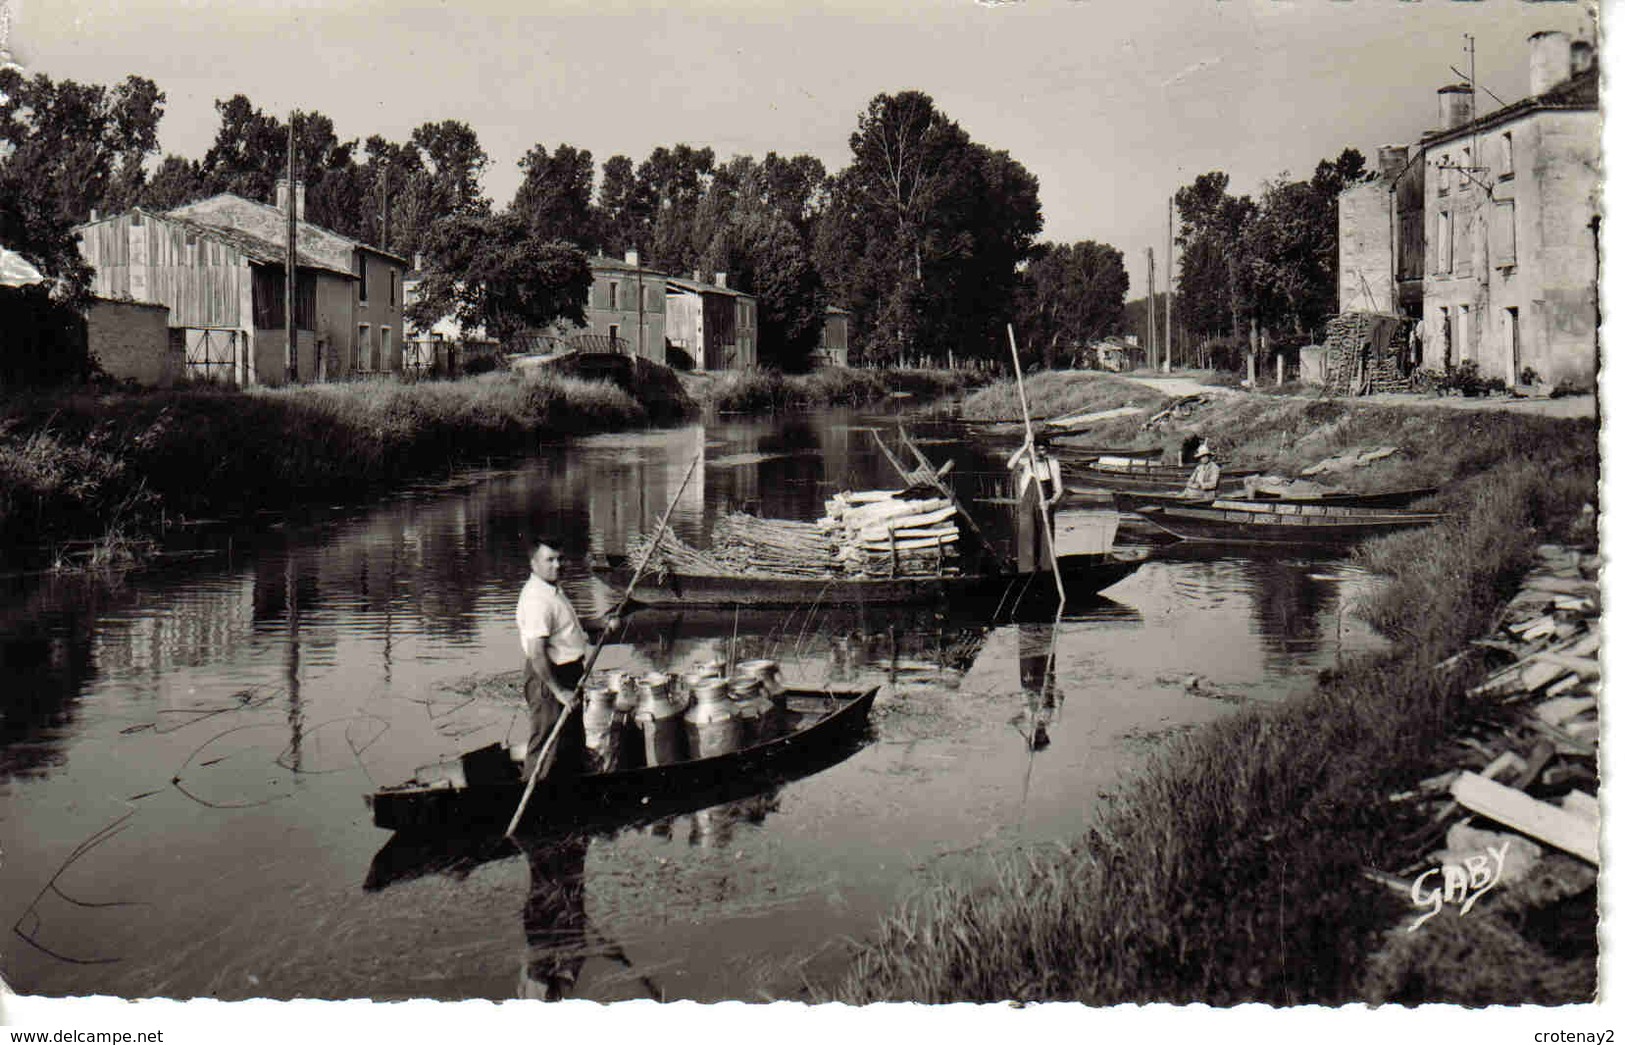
{"x":1204,"y":481}
{"x":555,"y":645}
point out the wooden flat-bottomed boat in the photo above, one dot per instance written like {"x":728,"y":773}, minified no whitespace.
{"x":1082,"y":575}
{"x":1277,"y":522}
{"x":478,"y":793}
{"x":1126,"y":501}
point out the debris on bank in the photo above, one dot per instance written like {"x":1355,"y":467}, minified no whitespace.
{"x":1502,"y":879}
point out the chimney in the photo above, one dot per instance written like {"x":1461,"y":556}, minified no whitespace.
{"x":1582,"y":56}
{"x":632,"y":258}
{"x":1391,"y":161}
{"x":1455,"y":105}
{"x":1548,"y":61}
{"x":298,"y":197}
{"x":697,"y":277}
{"x":95,"y":215}
{"x":722,"y":280}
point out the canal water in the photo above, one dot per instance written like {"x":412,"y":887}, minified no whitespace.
{"x":184,"y":752}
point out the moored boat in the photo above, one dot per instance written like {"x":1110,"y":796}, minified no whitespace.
{"x":1126,"y":501}
{"x":479,"y":792}
{"x":1082,"y":575}
{"x":1277,"y":522}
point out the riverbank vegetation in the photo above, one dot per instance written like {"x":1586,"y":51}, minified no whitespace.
{"x":1230,"y":869}
{"x":119,"y":468}
{"x":764,"y":391}
{"x":1058,"y":393}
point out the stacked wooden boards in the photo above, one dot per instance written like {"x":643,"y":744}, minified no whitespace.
{"x":880,"y":533}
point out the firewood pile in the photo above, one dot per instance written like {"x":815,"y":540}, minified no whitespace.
{"x":886,"y":533}
{"x":1528,"y":790}
{"x":1363,"y":353}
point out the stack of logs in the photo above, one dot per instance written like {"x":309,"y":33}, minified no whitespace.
{"x":880,"y":533}
{"x":1363,"y":353}
{"x":1538,"y":777}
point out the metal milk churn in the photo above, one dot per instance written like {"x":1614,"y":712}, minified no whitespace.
{"x":598,"y":720}
{"x":713,"y":727}
{"x":659,"y":715}
{"x":767,"y":673}
{"x":750,"y":705}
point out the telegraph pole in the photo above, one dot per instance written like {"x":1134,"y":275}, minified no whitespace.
{"x":1150,"y":308}
{"x":1168,"y":299}
{"x":292,"y":266}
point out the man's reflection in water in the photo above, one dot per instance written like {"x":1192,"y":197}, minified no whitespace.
{"x":1036,"y":660}
{"x":559,"y":940}
{"x":555,"y":918}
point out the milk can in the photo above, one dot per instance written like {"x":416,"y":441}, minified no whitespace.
{"x":625,"y":688}
{"x":598,"y":720}
{"x":767,"y":673}
{"x":660,"y":718}
{"x":750,"y":705}
{"x":712,"y":725}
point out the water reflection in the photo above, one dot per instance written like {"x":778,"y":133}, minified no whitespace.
{"x":245,"y":704}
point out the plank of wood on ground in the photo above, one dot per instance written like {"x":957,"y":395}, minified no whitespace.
{"x":1540,"y":820}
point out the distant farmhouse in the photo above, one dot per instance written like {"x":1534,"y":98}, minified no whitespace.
{"x":213,"y":271}
{"x":1486,"y":231}
{"x":1117,"y":354}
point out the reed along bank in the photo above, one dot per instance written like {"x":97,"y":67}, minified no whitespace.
{"x":1229,"y":869}
{"x":93,"y":478}
{"x":116,"y":470}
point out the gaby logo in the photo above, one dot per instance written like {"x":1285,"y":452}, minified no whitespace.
{"x":1461,"y":883}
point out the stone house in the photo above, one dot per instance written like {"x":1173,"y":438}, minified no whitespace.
{"x":1486,"y":231}
{"x":712,"y":324}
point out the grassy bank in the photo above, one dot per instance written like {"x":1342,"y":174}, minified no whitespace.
{"x":1057,"y":393}
{"x":1229,"y":869}
{"x":116,"y":469}
{"x":764,"y":391}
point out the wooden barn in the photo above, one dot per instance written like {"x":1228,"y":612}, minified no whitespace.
{"x":218,"y":267}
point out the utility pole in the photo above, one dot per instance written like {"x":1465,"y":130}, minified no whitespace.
{"x":291,"y":268}
{"x":640,"y":305}
{"x":1168,"y":300}
{"x":1150,"y":307}
{"x":385,"y":216}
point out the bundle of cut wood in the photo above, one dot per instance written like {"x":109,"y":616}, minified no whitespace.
{"x":674,"y":555}
{"x":883,"y":533}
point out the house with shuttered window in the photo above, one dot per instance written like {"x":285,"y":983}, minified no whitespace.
{"x":218,"y":266}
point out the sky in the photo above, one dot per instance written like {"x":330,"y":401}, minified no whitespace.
{"x":1112,"y":104}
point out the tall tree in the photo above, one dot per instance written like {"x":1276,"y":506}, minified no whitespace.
{"x":250,"y":152}
{"x":84,"y":144}
{"x":624,"y":207}
{"x":455,"y":161}
{"x":555,"y":197}
{"x":1071,"y":294}
{"x":488,"y":271}
{"x":923,"y":233}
